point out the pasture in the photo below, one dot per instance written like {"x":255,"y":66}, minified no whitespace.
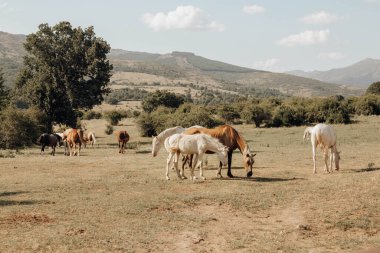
{"x":104,"y":201}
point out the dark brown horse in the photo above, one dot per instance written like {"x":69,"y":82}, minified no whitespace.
{"x":51,"y":140}
{"x":228,"y":136}
{"x":122,"y":138}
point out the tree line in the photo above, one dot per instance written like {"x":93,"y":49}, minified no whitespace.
{"x":160,"y":112}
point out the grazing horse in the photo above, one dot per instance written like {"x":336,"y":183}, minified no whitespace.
{"x":90,"y":137}
{"x":74,"y":138}
{"x":307,"y":133}
{"x":193,"y":145}
{"x":122,"y":138}
{"x":229,"y":137}
{"x":48,"y":140}
{"x":324,"y":136}
{"x":158,"y":141}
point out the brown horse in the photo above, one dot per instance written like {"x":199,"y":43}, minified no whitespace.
{"x":51,"y":140}
{"x":74,"y":138}
{"x":122,"y":138}
{"x":228,"y":136}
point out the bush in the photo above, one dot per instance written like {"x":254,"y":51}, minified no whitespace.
{"x":18,"y":129}
{"x":161,"y":98}
{"x":146,"y":124}
{"x":374,"y":89}
{"x":92,"y":115}
{"x":256,"y":114}
{"x":368,"y":105}
{"x":286,"y":116}
{"x":113,"y":117}
{"x":109,"y":129}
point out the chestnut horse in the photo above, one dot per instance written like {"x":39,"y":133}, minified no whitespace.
{"x":122,"y":138}
{"x":74,"y":138}
{"x":229,"y":137}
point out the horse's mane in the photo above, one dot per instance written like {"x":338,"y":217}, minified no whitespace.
{"x":170,"y":131}
{"x":214,"y":140}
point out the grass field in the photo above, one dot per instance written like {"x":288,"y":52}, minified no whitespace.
{"x":106,"y":202}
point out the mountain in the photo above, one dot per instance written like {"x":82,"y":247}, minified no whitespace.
{"x":11,"y":53}
{"x":360,"y":74}
{"x":181,"y":68}
{"x":179,"y":71}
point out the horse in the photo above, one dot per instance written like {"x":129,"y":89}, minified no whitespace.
{"x":158,"y":141}
{"x":122,"y":138}
{"x":307,"y":133}
{"x":193,"y":145}
{"x":324,"y":136}
{"x":90,"y":137}
{"x":231,"y":138}
{"x":48,"y":140}
{"x":74,"y":138}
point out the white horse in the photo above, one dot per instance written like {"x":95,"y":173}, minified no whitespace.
{"x":307,"y":133}
{"x":324,"y":136}
{"x":90,"y":137}
{"x":159,"y":140}
{"x":196,"y":145}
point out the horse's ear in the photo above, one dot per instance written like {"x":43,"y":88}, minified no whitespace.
{"x":254,"y":154}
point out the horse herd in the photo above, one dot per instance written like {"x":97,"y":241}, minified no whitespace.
{"x":73,"y":139}
{"x":194,"y":142}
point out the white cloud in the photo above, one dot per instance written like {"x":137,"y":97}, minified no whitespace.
{"x":319,"y":18}
{"x":251,"y":9}
{"x":271,"y":64}
{"x":331,"y":56}
{"x":183,"y":17}
{"x":305,"y":38}
{"x":3,"y":5}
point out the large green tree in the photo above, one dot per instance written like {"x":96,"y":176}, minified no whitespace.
{"x":65,"y":70}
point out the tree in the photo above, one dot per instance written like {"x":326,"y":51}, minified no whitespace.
{"x":164,"y":98}
{"x":374,"y":89}
{"x":3,"y":91}
{"x":228,"y":113}
{"x":65,"y":70}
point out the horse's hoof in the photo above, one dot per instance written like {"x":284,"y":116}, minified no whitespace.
{"x":167,"y":178}
{"x":249,"y":174}
{"x":230,"y":175}
{"x":219,"y":175}
{"x":203,"y":178}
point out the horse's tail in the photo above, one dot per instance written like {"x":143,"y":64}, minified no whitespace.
{"x":306,"y":134}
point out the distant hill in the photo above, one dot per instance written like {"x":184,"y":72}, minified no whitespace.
{"x":360,"y":74}
{"x":185,"y":67}
{"x":178,"y":71}
{"x":11,"y":53}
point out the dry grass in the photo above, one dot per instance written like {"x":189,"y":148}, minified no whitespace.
{"x":107,"y":202}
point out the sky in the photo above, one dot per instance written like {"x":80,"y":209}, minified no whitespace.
{"x":274,"y":35}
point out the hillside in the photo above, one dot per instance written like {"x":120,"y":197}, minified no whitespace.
{"x":360,"y":74}
{"x":11,"y":52}
{"x":185,"y":68}
{"x":181,"y":70}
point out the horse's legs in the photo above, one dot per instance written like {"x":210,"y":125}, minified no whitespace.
{"x":331,"y":160}
{"x":176,"y":158}
{"x":326,"y":156}
{"x":229,"y":174}
{"x":53,"y":150}
{"x":79,"y":144}
{"x":219,"y":173}
{"x":194,"y":164}
{"x":184,"y":161}
{"x":314,"y":160}
{"x":168,"y":161}
{"x":200,"y":164}
{"x":119,"y":147}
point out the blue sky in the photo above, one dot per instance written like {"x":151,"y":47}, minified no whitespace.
{"x":274,"y":35}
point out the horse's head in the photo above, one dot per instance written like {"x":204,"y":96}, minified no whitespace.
{"x":336,"y":157}
{"x":155,"y":146}
{"x":249,"y":160}
{"x":223,"y":155}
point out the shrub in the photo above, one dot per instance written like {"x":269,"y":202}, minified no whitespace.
{"x":113,"y":117}
{"x":18,"y":128}
{"x":286,"y":116}
{"x":374,"y":89}
{"x":92,"y":115}
{"x":255,"y":113}
{"x":109,"y":129}
{"x":368,"y":105}
{"x":161,"y":98}
{"x":146,"y":124}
